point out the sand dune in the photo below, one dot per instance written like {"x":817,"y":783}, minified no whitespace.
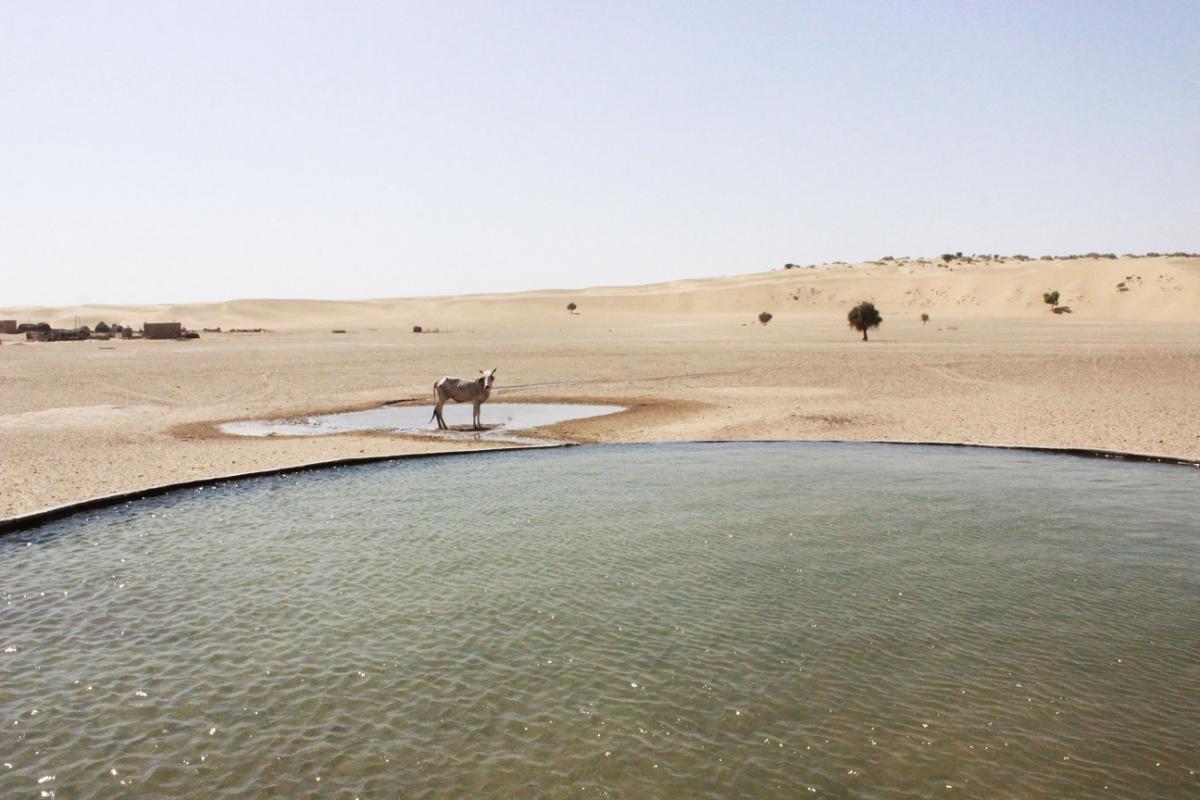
{"x":994,"y":365}
{"x":1155,"y":290}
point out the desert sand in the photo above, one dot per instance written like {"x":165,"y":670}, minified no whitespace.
{"x":994,"y":365}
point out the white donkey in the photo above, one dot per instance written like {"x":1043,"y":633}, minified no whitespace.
{"x":460,"y":391}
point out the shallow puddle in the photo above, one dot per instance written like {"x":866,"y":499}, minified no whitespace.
{"x":499,"y":420}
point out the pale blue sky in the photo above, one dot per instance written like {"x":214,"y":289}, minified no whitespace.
{"x":168,"y":151}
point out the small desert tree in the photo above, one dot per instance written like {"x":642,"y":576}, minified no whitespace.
{"x":571,"y":307}
{"x":102,"y":327}
{"x":863,"y":317}
{"x":1050,"y":299}
{"x":924,"y":318}
{"x":765,"y":317}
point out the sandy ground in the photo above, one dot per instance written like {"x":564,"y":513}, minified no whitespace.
{"x":994,"y":365}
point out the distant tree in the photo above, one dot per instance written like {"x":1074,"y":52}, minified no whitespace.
{"x":765,"y":317}
{"x":571,"y":307}
{"x":924,"y":318}
{"x":417,"y":328}
{"x":863,"y":317}
{"x":947,"y":257}
{"x":1050,"y":299}
{"x":102,"y":327}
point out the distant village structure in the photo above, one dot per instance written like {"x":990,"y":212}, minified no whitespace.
{"x":162,"y":330}
{"x":43,"y":332}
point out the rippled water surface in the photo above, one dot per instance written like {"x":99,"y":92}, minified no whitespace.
{"x":677,"y":621}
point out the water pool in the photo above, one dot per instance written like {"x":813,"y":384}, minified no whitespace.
{"x":498,"y":419}
{"x":684,"y":621}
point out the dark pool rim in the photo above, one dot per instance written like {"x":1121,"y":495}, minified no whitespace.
{"x":35,"y":519}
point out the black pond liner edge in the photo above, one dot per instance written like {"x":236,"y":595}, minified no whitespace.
{"x":35,"y":519}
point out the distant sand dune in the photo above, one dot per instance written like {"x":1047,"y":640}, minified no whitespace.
{"x":1157,"y":290}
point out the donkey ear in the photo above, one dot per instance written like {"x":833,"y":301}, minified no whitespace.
{"x":493,"y":370}
{"x":480,"y":372}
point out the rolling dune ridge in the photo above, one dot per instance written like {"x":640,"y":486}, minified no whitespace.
{"x":1158,"y":289}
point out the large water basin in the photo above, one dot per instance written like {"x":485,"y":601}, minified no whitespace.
{"x":655,"y":621}
{"x":499,"y":420}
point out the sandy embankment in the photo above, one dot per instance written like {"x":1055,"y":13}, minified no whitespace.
{"x":993,"y":366}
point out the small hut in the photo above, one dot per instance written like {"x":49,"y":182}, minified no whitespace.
{"x":8,"y":326}
{"x":162,"y":330}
